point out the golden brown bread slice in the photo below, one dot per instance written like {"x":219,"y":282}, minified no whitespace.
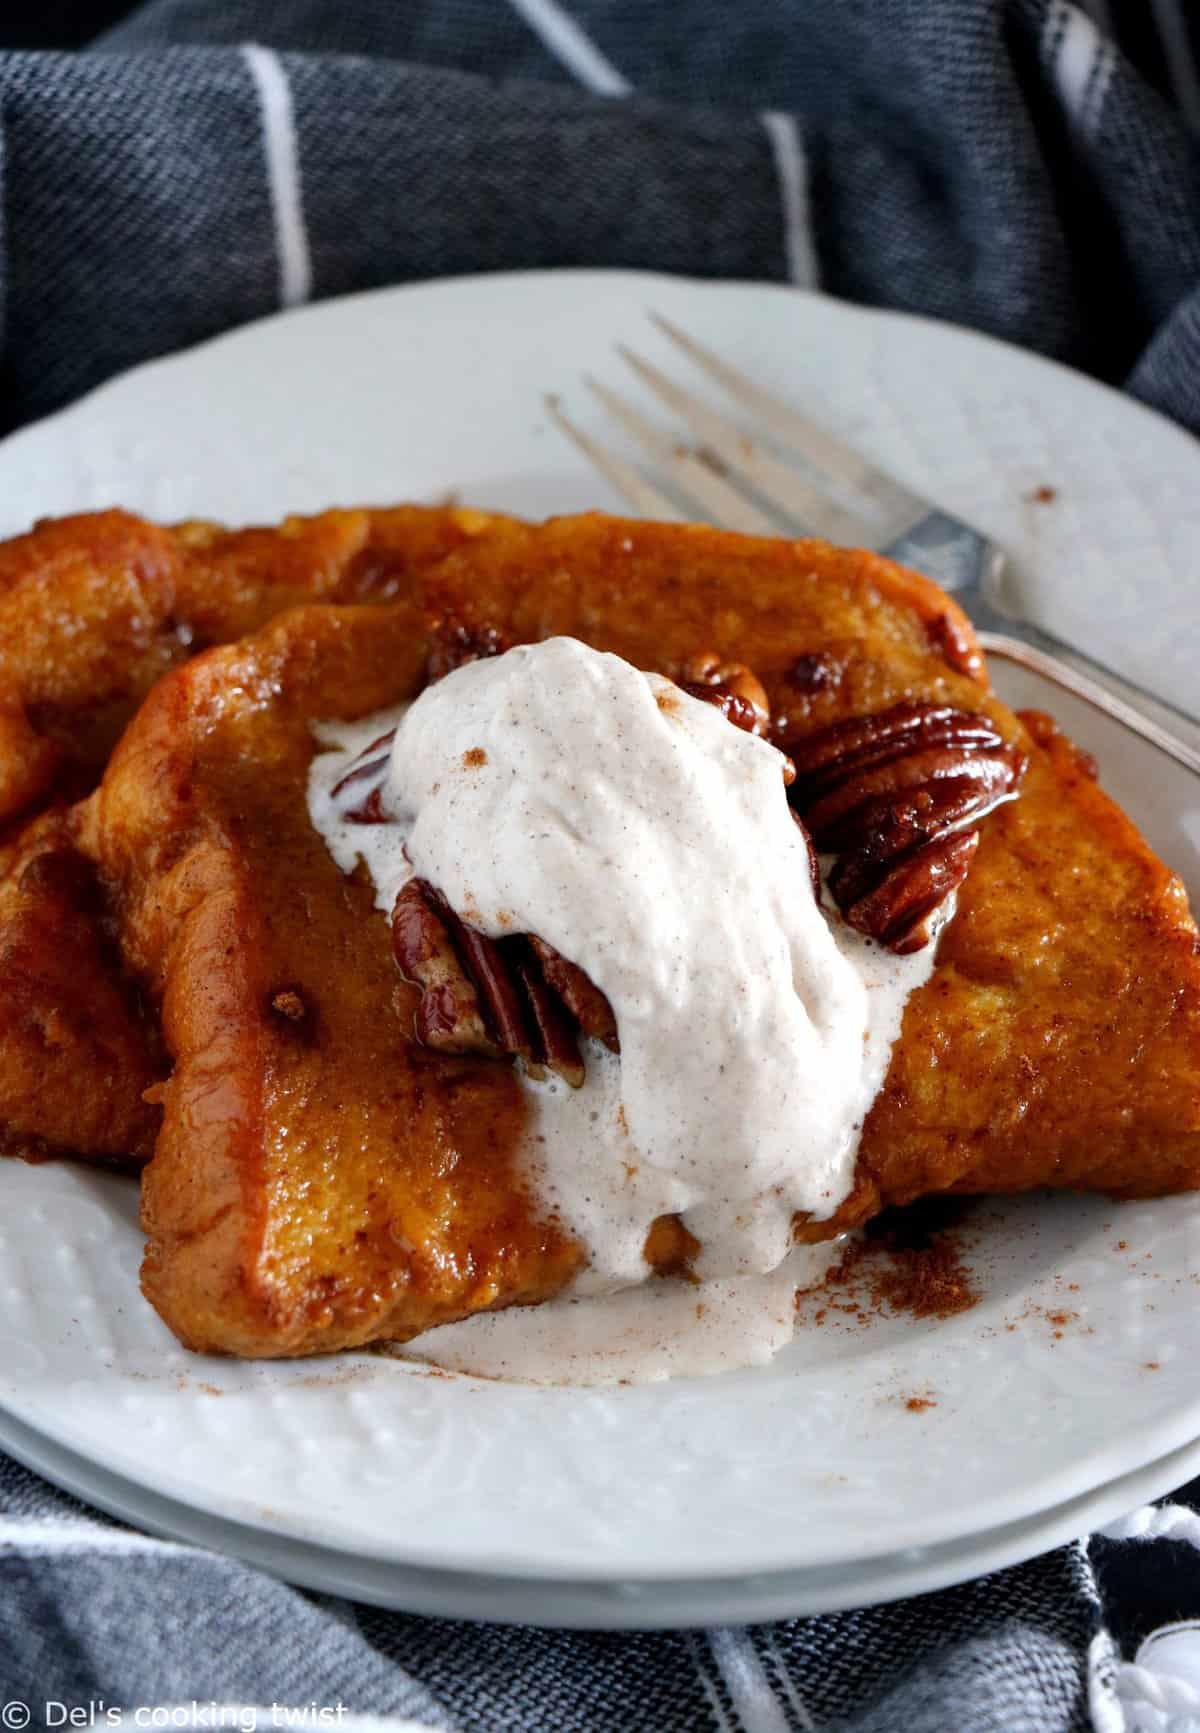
{"x":321,"y":1181}
{"x":78,"y":1047}
{"x":1059,"y":1040}
{"x":93,"y":609}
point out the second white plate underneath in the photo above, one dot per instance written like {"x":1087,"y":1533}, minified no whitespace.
{"x":602,"y":1604}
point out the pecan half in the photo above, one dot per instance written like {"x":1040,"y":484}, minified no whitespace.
{"x":737,"y":693}
{"x":508,"y":998}
{"x":449,"y":1015}
{"x":358,"y":795}
{"x":579,"y":993}
{"x":895,"y":796}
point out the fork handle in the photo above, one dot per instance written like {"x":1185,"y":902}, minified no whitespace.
{"x":1098,"y":686}
{"x":969,"y":565}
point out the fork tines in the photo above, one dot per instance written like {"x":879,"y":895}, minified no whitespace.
{"x":729,"y":477}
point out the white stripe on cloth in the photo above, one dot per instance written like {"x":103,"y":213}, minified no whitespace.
{"x":1104,"y":1706}
{"x":795,"y":1701}
{"x":1106,"y":65}
{"x":1156,"y":1522}
{"x":571,"y":47}
{"x":282,"y":152}
{"x":758,"y":1708}
{"x":1177,"y":52}
{"x":47,"y":1535}
{"x":1103,"y":1659}
{"x":1081,"y":63}
{"x":720,"y":1718}
{"x":792,"y":168}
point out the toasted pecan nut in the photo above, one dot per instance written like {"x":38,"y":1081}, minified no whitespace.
{"x":359,"y":793}
{"x":898,"y":911}
{"x":738,"y":693}
{"x":579,"y":993}
{"x":732,"y":705}
{"x":861,"y":741}
{"x":893,"y":828}
{"x":845,"y":812}
{"x":449,"y":1016}
{"x":494,"y":996}
{"x":895,"y":795}
{"x":553,"y":1030}
{"x":497,"y":985}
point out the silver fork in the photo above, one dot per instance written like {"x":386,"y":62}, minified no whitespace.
{"x":729,"y":478}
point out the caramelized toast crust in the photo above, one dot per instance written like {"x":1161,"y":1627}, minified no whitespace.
{"x":94,"y":608}
{"x":320,"y":1181}
{"x":78,"y":1045}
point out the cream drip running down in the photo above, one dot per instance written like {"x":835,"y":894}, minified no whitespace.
{"x":560,"y":791}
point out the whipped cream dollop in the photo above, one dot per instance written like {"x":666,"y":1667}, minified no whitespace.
{"x":560,"y":791}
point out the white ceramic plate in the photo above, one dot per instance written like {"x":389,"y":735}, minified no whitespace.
{"x":812,"y":1471}
{"x":599,"y":1603}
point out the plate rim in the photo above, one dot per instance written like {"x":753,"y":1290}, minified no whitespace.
{"x":986,"y":1516}
{"x":609,"y":1603}
{"x":468,"y":281}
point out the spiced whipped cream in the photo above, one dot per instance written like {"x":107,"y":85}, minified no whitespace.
{"x":560,"y":791}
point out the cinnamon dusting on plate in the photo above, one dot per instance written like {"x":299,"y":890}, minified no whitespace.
{"x":907,"y":1261}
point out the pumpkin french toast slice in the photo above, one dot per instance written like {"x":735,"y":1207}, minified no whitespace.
{"x":319,"y":1180}
{"x":93,"y":610}
{"x":322,"y":1181}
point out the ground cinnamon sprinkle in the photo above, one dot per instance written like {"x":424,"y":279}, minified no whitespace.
{"x":929,"y":1283}
{"x":906,"y":1262}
